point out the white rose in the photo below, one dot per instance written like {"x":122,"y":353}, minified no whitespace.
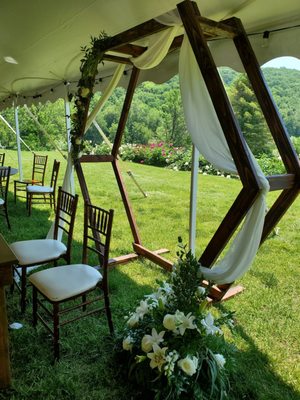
{"x":169,"y":322}
{"x":146,"y":343}
{"x":127,"y":344}
{"x":188,"y":365}
{"x":220,"y":360}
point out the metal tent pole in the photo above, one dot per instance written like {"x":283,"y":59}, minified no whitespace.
{"x":16,"y":108}
{"x":12,"y":129}
{"x":193,"y":199}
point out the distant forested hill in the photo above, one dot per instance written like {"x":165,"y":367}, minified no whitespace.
{"x":284,"y":85}
{"x":156,"y":114}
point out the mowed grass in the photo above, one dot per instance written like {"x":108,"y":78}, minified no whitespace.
{"x":267,"y":359}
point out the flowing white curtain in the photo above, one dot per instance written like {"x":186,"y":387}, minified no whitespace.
{"x":105,"y":95}
{"x":209,"y":139}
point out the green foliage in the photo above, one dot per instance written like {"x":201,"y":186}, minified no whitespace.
{"x":156,"y":114}
{"x":271,"y":165}
{"x":171,"y":339}
{"x":88,"y":68}
{"x":296,"y":144}
{"x":285,"y":86}
{"x":250,"y":117}
{"x":158,"y":154}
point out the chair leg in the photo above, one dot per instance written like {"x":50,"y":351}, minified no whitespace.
{"x":12,"y":287}
{"x":83,"y":297}
{"x":34,"y":306}
{"x":108,"y":314}
{"x":28,"y":203}
{"x":15,"y":191}
{"x":7,"y":219}
{"x":23,"y":288}
{"x":56,"y":331}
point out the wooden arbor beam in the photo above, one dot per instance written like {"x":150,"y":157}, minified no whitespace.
{"x":290,"y":182}
{"x":199,"y":30}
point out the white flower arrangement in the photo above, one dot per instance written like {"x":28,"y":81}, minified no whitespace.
{"x":172,"y":340}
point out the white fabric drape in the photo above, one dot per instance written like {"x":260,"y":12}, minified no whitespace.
{"x":208,"y":137}
{"x":106,"y":94}
{"x":159,"y":45}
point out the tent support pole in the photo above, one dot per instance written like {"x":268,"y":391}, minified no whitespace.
{"x":16,"y":108}
{"x":12,"y":129}
{"x":193,"y":199}
{"x":68,"y":120}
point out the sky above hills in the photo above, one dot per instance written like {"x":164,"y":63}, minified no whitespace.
{"x":287,"y":62}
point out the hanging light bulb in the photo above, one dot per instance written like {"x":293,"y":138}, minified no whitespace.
{"x":265,"y":39}
{"x":10,"y":60}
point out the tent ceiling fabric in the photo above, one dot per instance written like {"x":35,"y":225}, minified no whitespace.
{"x":45,"y":39}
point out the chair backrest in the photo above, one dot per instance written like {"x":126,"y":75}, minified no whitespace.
{"x":97,"y":234}
{"x":4,"y":181}
{"x":2,"y":158}
{"x":65,"y":217}
{"x":55,"y":170}
{"x":39,"y":168}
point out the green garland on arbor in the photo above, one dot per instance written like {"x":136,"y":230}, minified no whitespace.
{"x":93,"y":55}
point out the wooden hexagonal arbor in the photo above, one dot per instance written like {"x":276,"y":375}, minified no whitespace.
{"x":199,"y":31}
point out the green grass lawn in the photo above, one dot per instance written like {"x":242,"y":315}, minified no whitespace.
{"x":267,"y":360}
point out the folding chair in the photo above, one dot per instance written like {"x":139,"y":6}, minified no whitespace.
{"x":4,"y":181}
{"x":43,"y":194}
{"x":2,"y":158}
{"x":58,"y":285}
{"x":37,"y":178}
{"x":43,"y":251}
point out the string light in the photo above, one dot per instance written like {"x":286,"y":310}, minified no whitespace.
{"x":66,"y":83}
{"x":265,"y":37}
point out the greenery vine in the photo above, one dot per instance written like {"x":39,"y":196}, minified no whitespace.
{"x":93,"y":55}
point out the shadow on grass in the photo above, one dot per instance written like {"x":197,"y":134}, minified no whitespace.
{"x":87,"y":367}
{"x":252,"y":375}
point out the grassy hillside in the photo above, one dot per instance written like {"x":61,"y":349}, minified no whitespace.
{"x":267,"y":312}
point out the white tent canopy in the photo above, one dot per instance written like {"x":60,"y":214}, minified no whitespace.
{"x":45,"y":38}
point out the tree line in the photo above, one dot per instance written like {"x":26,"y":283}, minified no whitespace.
{"x":156,"y":114}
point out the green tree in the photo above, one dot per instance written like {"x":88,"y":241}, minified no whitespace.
{"x":250,"y":117}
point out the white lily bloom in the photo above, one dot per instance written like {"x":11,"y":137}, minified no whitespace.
{"x":158,"y":357}
{"x":220,"y":359}
{"x":149,"y":340}
{"x":187,"y":322}
{"x":208,"y":324}
{"x":188,"y":365}
{"x":142,"y":309}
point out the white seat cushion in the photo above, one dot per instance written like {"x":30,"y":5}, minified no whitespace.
{"x":61,"y":283}
{"x":39,"y":189}
{"x":34,"y":252}
{"x":1,"y":202}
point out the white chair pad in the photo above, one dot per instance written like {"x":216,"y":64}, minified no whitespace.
{"x":61,"y":283}
{"x":1,"y":202}
{"x":39,"y":189}
{"x":34,"y":252}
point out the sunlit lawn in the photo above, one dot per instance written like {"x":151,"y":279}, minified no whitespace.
{"x":267,"y":312}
